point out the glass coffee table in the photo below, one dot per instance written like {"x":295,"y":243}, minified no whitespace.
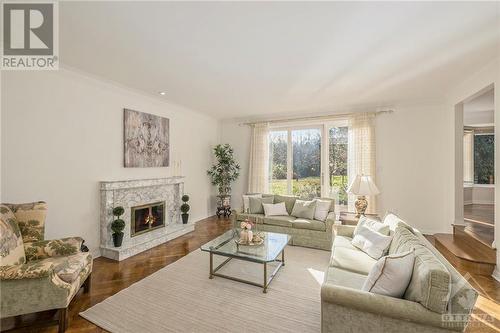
{"x":268,"y":252}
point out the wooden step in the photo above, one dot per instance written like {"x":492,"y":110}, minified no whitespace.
{"x":481,"y":233}
{"x":466,"y":253}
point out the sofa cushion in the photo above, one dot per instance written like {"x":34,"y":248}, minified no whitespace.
{"x":12,"y":245}
{"x":391,"y":275}
{"x":68,"y":268}
{"x":304,"y":209}
{"x":373,"y":243}
{"x":256,"y":218}
{"x":372,"y":224}
{"x":344,"y":278}
{"x":289,"y":201}
{"x":246,"y":201}
{"x":283,"y":221}
{"x":322,"y":209}
{"x":430,"y":282}
{"x":31,"y":219}
{"x":277,"y":209}
{"x":353,"y":260}
{"x":256,"y":204}
{"x":301,"y":223}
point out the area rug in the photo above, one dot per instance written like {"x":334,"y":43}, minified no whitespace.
{"x":181,"y":298}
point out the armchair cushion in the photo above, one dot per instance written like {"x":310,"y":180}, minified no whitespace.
{"x":29,"y":270}
{"x":69,"y":268}
{"x":52,"y":248}
{"x":11,"y":241}
{"x":31,"y":219}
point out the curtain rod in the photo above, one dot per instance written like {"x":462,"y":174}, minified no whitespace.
{"x":325,"y":117}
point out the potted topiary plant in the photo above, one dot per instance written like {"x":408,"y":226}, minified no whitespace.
{"x":185,"y":208}
{"x":225,"y":171}
{"x":117,"y":226}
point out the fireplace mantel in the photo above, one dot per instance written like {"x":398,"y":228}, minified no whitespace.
{"x":131,"y":193}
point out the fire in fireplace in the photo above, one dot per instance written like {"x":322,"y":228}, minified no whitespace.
{"x":147,"y":217}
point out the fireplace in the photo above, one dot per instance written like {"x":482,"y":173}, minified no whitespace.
{"x":148,"y":217}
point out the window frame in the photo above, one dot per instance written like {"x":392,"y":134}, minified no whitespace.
{"x":324,"y":128}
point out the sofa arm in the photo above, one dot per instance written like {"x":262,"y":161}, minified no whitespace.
{"x":380,"y":305}
{"x":344,"y":230}
{"x":53,"y":248}
{"x":30,"y":270}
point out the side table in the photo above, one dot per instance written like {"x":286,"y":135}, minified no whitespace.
{"x":349,"y":218}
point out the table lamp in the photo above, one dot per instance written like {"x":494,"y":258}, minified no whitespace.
{"x":362,"y":186}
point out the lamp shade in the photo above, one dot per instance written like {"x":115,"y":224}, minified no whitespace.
{"x":363,"y":185}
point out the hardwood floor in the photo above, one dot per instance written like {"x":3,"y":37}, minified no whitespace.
{"x":109,"y":277}
{"x":481,"y":213}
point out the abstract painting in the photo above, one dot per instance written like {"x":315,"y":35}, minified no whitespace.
{"x":146,"y":139}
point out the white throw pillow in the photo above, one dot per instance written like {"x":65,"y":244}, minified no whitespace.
{"x":278,"y":209}
{"x":372,"y":224}
{"x":246,"y":201}
{"x":371,"y":242}
{"x":391,"y":275}
{"x":322,"y":209}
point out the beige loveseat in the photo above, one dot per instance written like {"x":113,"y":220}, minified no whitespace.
{"x":304,"y":232}
{"x":346,"y":308}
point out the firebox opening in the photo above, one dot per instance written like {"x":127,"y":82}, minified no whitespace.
{"x":147,"y":217}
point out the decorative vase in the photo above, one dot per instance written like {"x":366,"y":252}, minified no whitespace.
{"x":185,"y":218}
{"x":117,"y":239}
{"x":244,"y":236}
{"x":249,"y":236}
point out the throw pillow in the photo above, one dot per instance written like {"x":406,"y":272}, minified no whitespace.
{"x":246,"y":201}
{"x":372,"y":224}
{"x":289,"y":201}
{"x":12,"y":247}
{"x":391,"y":275}
{"x":304,"y":209}
{"x":371,"y":242}
{"x":256,"y":204}
{"x":278,"y":209}
{"x":322,"y":209}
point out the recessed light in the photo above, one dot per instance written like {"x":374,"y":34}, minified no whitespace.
{"x":162,"y":93}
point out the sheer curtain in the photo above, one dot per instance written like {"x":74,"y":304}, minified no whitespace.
{"x":361,"y":154}
{"x":468,"y":156}
{"x":258,"y":170}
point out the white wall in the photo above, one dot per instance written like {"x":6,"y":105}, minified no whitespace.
{"x":413,"y":164}
{"x":489,"y":74}
{"x":239,"y":138}
{"x":62,"y":133}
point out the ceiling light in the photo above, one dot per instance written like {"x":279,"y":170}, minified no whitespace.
{"x":162,"y":93}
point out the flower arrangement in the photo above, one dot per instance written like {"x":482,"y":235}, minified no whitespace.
{"x":246,"y":225}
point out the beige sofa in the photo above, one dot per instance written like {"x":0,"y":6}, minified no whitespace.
{"x":346,"y":308}
{"x":304,"y":232}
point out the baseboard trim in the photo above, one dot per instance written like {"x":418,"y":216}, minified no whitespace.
{"x":496,"y":274}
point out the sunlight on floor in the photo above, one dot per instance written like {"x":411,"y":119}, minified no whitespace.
{"x":317,"y":275}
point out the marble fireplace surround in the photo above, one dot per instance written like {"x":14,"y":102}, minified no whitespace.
{"x":130,"y":193}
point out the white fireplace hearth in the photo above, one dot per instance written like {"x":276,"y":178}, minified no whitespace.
{"x":134,"y":193}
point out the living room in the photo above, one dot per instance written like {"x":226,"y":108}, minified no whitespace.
{"x":153,"y":131}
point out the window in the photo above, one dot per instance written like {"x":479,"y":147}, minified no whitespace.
{"x":300,"y":157}
{"x":337,"y":161}
{"x":306,"y":163}
{"x":278,"y":147}
{"x":479,"y":156}
{"x":484,"y":168}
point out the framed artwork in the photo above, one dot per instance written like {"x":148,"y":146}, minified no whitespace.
{"x":146,"y":140}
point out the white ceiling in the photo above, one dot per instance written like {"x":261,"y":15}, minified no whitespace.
{"x":250,"y":59}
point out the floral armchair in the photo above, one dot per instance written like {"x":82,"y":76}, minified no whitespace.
{"x":37,"y":274}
